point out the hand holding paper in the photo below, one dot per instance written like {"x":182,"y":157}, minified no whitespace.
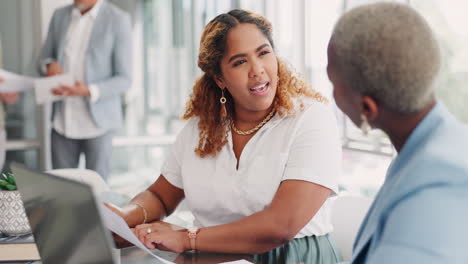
{"x":78,"y":89}
{"x":44,"y":86}
{"x":117,"y":225}
{"x":119,"y":241}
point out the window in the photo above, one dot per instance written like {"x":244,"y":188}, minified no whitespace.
{"x":167,"y":35}
{"x":449,"y":22}
{"x":170,"y":34}
{"x":17,"y":54}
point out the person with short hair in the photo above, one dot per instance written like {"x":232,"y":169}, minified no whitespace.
{"x":383,"y":61}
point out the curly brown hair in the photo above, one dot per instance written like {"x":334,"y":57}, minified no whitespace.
{"x":204,"y":101}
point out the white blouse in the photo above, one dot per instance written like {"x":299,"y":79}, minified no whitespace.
{"x":305,"y":146}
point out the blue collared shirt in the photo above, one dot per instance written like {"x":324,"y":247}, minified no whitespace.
{"x":420,"y":214}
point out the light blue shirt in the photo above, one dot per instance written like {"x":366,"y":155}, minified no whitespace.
{"x":420,"y":214}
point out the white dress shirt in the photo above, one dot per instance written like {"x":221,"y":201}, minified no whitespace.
{"x":305,"y":147}
{"x":74,"y":120}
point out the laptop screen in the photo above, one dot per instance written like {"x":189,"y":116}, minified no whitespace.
{"x":64,"y":218}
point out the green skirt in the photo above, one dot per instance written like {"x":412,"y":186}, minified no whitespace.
{"x":306,"y":250}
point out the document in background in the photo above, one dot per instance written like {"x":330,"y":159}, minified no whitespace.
{"x":117,"y":225}
{"x":15,"y":83}
{"x":43,"y":87}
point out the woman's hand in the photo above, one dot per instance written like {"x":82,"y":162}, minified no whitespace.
{"x":119,"y":241}
{"x":163,"y":236}
{"x":114,"y":208}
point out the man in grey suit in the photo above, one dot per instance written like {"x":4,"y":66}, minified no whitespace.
{"x":90,"y":39}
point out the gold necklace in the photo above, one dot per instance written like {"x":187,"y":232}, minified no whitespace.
{"x":257,"y":127}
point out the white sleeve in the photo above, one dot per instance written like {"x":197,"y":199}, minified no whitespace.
{"x":315,"y":153}
{"x":171,"y":169}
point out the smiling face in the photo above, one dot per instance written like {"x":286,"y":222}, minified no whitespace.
{"x":249,"y":69}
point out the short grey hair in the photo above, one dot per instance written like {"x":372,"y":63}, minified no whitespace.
{"x":387,"y":51}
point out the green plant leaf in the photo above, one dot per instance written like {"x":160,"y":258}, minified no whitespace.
{"x":3,"y":183}
{"x":11,"y":187}
{"x":7,"y":182}
{"x":11,"y":179}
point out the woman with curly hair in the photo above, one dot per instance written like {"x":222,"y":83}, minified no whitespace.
{"x":257,"y":161}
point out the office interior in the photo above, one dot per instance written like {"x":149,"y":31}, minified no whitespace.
{"x":165,"y":39}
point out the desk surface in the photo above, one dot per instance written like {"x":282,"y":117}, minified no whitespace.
{"x":134,"y":255}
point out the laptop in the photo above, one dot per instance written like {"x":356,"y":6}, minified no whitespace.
{"x":64,"y":218}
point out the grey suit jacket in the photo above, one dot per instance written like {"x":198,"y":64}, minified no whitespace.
{"x":108,"y":59}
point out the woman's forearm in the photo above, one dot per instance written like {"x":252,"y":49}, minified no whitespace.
{"x":156,"y":202}
{"x":144,"y":204}
{"x":255,"y":234}
{"x":294,"y":204}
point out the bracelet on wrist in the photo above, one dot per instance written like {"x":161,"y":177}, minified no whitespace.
{"x":145,"y":213}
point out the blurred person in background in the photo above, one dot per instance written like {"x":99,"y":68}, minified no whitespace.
{"x":90,"y":39}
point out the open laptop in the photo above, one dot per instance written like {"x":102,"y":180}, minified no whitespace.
{"x":64,"y":218}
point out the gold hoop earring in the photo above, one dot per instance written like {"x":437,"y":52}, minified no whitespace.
{"x":365,"y":126}
{"x":222,"y":100}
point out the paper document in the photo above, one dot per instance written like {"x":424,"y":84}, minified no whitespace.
{"x":117,"y":225}
{"x":14,"y":82}
{"x":43,"y":87}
